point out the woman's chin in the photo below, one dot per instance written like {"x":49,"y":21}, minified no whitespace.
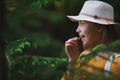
{"x":85,"y":46}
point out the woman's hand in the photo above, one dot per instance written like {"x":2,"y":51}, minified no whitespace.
{"x":71,"y":48}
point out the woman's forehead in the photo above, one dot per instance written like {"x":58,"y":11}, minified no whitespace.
{"x":86,"y":22}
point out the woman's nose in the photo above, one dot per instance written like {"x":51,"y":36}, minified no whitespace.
{"x":78,"y":29}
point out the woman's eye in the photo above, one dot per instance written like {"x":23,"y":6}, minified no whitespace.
{"x":81,"y":23}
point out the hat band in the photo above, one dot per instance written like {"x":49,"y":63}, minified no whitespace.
{"x":96,"y":17}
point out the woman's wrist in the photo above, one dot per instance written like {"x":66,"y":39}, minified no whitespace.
{"x":71,"y":64}
{"x":73,"y":59}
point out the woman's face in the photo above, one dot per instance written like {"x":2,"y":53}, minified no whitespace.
{"x":90,"y":34}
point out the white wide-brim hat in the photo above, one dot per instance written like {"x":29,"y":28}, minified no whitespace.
{"x":97,"y":12}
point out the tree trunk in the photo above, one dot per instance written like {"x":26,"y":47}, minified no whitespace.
{"x":3,"y":63}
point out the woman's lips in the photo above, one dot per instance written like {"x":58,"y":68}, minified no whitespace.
{"x":82,"y":37}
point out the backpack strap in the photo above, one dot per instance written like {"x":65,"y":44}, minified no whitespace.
{"x":109,"y":62}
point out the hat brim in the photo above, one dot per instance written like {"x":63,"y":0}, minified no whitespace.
{"x":91,"y":19}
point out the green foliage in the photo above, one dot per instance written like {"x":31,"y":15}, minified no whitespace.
{"x":24,"y":66}
{"x":41,"y":3}
{"x":14,"y":4}
{"x":40,"y":40}
{"x":113,"y":47}
{"x":18,"y":46}
{"x":42,"y":22}
{"x":35,"y":24}
{"x":99,"y":48}
{"x":37,"y":68}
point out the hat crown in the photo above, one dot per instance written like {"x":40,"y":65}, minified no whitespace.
{"x":98,"y":8}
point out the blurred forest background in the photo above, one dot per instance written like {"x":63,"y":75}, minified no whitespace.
{"x":32,"y":37}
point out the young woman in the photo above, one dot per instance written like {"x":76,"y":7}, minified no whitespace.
{"x":96,"y":27}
